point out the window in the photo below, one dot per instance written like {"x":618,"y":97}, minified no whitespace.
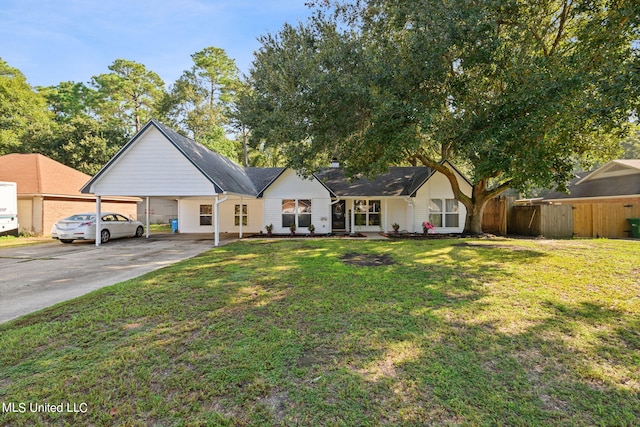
{"x":367,"y":212}
{"x":435,"y":212}
{"x":206,"y":214}
{"x":288,"y":212}
{"x":444,"y":213}
{"x":239,"y":214}
{"x":452,"y":214}
{"x":296,"y":211}
{"x":304,"y":213}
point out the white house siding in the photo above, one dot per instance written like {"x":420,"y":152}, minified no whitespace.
{"x":396,"y":212}
{"x":290,"y":186}
{"x":152,"y":166}
{"x":189,"y":215}
{"x":438,"y":187}
{"x":254,"y":215}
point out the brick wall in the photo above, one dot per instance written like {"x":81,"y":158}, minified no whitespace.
{"x":55,"y":209}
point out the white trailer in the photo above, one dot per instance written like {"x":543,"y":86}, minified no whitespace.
{"x":8,"y":209}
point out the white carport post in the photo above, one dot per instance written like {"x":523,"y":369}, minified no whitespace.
{"x":146,"y":210}
{"x":216,"y":230}
{"x":98,"y":216}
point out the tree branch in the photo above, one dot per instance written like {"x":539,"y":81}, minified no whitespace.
{"x":451,"y":176}
{"x":561,"y":25}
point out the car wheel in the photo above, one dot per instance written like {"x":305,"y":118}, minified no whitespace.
{"x":66,"y":240}
{"x":104,"y":236}
{"x":139,"y":231}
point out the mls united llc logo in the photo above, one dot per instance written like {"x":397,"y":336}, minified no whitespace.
{"x":22,"y":407}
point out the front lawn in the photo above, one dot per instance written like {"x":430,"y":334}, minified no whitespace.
{"x":343,"y":333}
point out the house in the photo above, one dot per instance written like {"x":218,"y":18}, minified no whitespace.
{"x":49,"y":191}
{"x":215,"y":195}
{"x":616,"y":182}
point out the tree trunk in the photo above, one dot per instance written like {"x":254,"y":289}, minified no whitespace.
{"x":473,"y":224}
{"x":245,"y":150}
{"x":475,"y":203}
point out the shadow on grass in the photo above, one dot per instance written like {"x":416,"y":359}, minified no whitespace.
{"x":288,"y":333}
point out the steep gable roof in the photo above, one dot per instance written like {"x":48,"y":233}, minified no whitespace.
{"x":224,"y":174}
{"x":38,"y":174}
{"x":617,"y":178}
{"x":228,"y":177}
{"x":614,"y":168}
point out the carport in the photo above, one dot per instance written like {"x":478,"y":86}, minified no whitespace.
{"x":159,"y":162}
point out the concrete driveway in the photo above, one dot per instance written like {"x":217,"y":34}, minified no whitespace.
{"x":35,"y":277}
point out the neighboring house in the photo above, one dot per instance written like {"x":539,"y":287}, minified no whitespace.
{"x":216,"y":195}
{"x":616,"y":182}
{"x":49,"y":191}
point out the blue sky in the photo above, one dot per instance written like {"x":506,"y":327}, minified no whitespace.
{"x":52,"y":41}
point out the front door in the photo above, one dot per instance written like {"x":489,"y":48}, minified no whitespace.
{"x":338,"y":216}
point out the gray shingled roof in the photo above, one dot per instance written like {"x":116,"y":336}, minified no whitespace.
{"x":399,"y":181}
{"x":228,"y":177}
{"x":626,"y":185}
{"x":262,"y":177}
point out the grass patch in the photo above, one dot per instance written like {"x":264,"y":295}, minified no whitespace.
{"x":344,"y":332}
{"x":11,"y":241}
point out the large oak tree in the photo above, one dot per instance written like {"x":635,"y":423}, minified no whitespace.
{"x":518,"y":92}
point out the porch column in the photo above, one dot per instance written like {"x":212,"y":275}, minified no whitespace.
{"x":98,"y":217}
{"x":386,"y":216}
{"x":147,"y":216}
{"x":241,"y":217}
{"x":413,"y":216}
{"x":353,"y":216}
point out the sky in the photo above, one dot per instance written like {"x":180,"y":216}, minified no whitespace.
{"x":52,"y":41}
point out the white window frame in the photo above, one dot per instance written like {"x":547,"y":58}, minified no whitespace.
{"x":205,"y":215}
{"x":240,"y":213}
{"x":449,"y":208}
{"x":367,"y":213}
{"x":299,"y":210}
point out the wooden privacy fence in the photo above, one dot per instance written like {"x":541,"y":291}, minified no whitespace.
{"x":542,"y":220}
{"x":603,"y":219}
{"x":494,"y":217}
{"x":577,"y":220}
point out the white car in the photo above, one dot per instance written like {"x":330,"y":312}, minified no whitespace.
{"x":83,"y":227}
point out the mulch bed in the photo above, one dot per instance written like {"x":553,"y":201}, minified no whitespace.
{"x":307,"y":235}
{"x":421,"y":236}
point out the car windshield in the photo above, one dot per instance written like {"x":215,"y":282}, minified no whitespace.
{"x":84,"y":217}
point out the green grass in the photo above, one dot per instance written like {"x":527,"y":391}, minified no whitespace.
{"x":451,"y":332}
{"x":11,"y":241}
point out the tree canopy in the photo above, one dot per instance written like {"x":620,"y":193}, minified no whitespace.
{"x":23,"y":112}
{"x":518,"y":92}
{"x":83,"y":125}
{"x":200,"y":101}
